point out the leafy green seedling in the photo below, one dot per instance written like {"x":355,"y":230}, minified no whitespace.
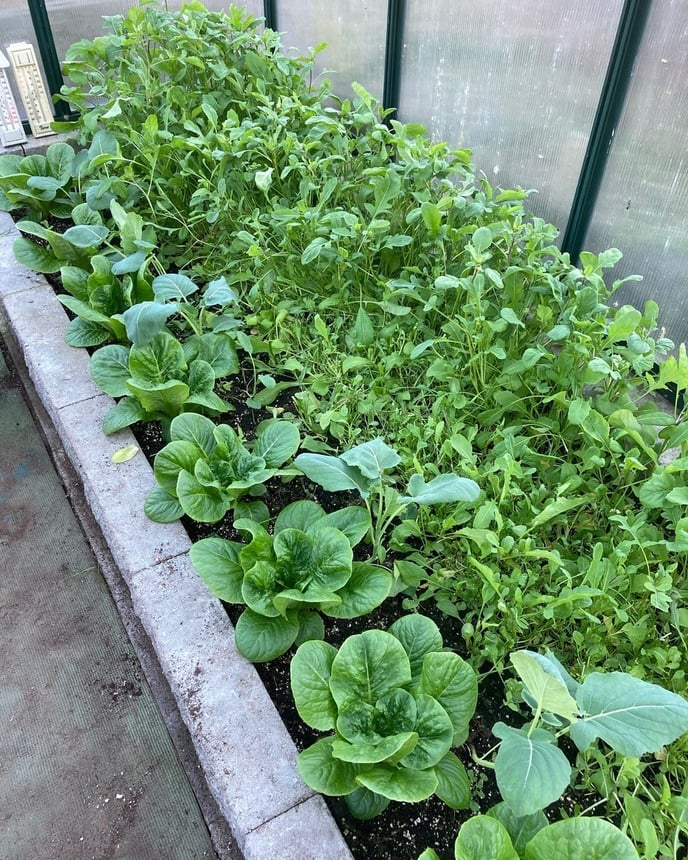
{"x":485,"y":837}
{"x":631,"y":716}
{"x":206,"y":469}
{"x":287,"y":578}
{"x":364,"y":469}
{"x":396,"y":704}
{"x":155,"y":382}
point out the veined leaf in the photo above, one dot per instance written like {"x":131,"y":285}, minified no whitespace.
{"x":543,"y":682}
{"x":632,"y":716}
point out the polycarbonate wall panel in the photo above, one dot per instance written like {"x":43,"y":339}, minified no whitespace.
{"x":643,"y":203}
{"x":517,"y":82}
{"x":355,"y":34}
{"x":72,"y":20}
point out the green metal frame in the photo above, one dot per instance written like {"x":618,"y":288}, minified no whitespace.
{"x":628,"y":36}
{"x":396,"y":11}
{"x":270,"y":14}
{"x":48,"y":52}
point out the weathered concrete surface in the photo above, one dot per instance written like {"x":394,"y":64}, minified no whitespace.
{"x":246,"y":754}
{"x":87,"y":768}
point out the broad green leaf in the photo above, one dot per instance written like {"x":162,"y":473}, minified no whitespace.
{"x":521,"y":829}
{"x":311,"y":627}
{"x":84,"y":333}
{"x":323,"y":772}
{"x":332,"y":473}
{"x":203,"y":504}
{"x":579,"y":410}
{"x":310,"y":677}
{"x":167,"y":398}
{"x":130,"y":264}
{"x":452,"y":681}
{"x":83,"y":214}
{"x":299,"y":515}
{"x":482,"y":239}
{"x":543,"y":682}
{"x":435,"y":734}
{"x":60,"y":158}
{"x":123,"y":414}
{"x":484,"y":838}
{"x":194,"y":428}
{"x":217,"y":562}
{"x":363,"y":332}
{"x":365,"y":589}
{"x":35,"y":257}
{"x":443,"y":488}
{"x":531,"y":772}
{"x":84,"y":310}
{"x":159,"y":361}
{"x":429,"y":854}
{"x":372,"y":458}
{"x":632,"y":716}
{"x":323,"y":557}
{"x":260,"y":639}
{"x":162,"y":507}
{"x":174,"y":458}
{"x":365,"y":804}
{"x":276,"y":441}
{"x":556,"y":508}
{"x":392,"y":747}
{"x":581,"y":838}
{"x":367,"y":666}
{"x":173,"y":288}
{"x":259,"y":588}
{"x":399,"y":783}
{"x":419,"y":635}
{"x":626,"y":320}
{"x":217,"y":349}
{"x":453,"y":784}
{"x":144,"y":320}
{"x":353,"y":521}
{"x":432,"y":216}
{"x":110,"y":369}
{"x":218,"y":292}
{"x":86,"y":235}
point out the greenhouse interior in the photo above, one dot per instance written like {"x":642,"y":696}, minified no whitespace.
{"x":342,"y":426}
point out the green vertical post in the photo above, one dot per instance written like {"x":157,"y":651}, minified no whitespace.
{"x":396,"y":10}
{"x":48,"y":52}
{"x":270,"y":14}
{"x":628,"y":37}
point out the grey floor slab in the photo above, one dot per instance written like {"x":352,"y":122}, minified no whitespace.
{"x":87,"y":769}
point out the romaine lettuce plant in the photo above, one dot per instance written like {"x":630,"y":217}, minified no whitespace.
{"x":206,"y":469}
{"x":490,"y":837}
{"x":287,"y":578}
{"x":396,"y":704}
{"x":156,"y":382}
{"x":631,"y":716}
{"x":364,"y":469}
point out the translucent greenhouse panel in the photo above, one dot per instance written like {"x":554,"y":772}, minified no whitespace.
{"x":518,"y":83}
{"x":643,"y":203}
{"x":72,"y":20}
{"x":354,"y":31}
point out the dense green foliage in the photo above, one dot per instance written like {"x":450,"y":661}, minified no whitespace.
{"x":216,"y":211}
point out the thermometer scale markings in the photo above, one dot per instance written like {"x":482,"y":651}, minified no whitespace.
{"x":31,"y":88}
{"x":11,"y":128}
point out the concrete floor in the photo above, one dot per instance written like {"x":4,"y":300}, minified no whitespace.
{"x":87,"y":768}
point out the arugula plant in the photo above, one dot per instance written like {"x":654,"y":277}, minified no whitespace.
{"x":285,"y":579}
{"x":631,"y":716}
{"x":156,"y":382}
{"x":395,"y":703}
{"x":364,"y":469}
{"x":206,"y":469}
{"x":500,"y":836}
